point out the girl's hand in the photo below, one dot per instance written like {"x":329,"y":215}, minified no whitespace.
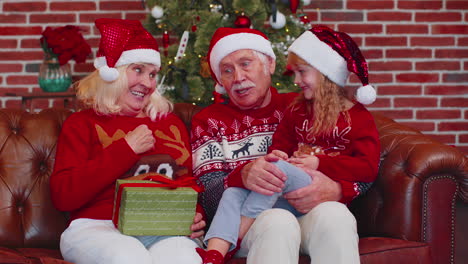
{"x":198,"y":226}
{"x":305,"y":161}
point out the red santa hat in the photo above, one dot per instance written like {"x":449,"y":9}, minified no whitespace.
{"x":123,"y":42}
{"x":227,"y":40}
{"x":336,"y":55}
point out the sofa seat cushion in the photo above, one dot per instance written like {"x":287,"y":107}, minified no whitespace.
{"x":31,"y":256}
{"x":389,"y":250}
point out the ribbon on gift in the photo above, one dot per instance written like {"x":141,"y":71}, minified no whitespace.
{"x":163,"y":182}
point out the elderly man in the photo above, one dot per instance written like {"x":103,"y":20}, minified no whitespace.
{"x":229,"y":143}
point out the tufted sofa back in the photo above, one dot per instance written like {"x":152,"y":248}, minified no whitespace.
{"x":27,"y":154}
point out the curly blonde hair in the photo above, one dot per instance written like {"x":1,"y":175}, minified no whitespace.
{"x":327,"y":103}
{"x":103,"y":96}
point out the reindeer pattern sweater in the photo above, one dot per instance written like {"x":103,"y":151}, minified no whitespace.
{"x":92,"y":154}
{"x":225,"y":138}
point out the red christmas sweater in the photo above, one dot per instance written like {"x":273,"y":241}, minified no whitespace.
{"x":225,"y":138}
{"x":351,"y":152}
{"x":92,"y":154}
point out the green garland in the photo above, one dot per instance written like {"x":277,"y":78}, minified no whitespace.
{"x":188,"y":79}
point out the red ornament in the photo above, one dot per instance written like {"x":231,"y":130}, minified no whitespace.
{"x":304,"y":19}
{"x":242,"y":21}
{"x":293,"y":4}
{"x":165,"y":41}
{"x":194,"y":28}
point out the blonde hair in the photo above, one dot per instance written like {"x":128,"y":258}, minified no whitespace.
{"x":103,"y":96}
{"x":327,"y":103}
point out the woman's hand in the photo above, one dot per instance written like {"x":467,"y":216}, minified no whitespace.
{"x":141,"y":139}
{"x":305,"y":161}
{"x":198,"y":226}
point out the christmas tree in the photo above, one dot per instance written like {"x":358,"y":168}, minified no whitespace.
{"x":186,"y":27}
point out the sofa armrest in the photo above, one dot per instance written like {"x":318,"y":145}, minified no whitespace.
{"x":414,"y":195}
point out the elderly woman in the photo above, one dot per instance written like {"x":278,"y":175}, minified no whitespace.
{"x":127,"y":121}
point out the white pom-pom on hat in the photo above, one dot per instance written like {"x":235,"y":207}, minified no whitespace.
{"x":108,"y":74}
{"x":220,"y":89}
{"x":366,"y":94}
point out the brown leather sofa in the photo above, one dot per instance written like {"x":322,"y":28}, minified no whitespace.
{"x":408,"y":215}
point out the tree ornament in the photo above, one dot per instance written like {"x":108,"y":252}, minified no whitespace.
{"x":280,"y":20}
{"x":157,"y":12}
{"x":165,"y":41}
{"x":306,"y":2}
{"x":304,"y":19}
{"x":182,"y":46}
{"x":293,"y":4}
{"x":194,"y":28}
{"x":242,"y":21}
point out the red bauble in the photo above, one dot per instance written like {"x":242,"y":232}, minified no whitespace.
{"x":242,"y":21}
{"x":194,"y":28}
{"x":304,"y":19}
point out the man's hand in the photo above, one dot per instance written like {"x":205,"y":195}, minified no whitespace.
{"x":197,"y":226}
{"x":322,"y":189}
{"x":141,"y":139}
{"x":263,"y":177}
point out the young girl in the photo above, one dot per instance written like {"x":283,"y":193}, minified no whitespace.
{"x":324,"y":129}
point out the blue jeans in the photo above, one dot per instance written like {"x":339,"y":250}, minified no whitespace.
{"x":237,"y":201}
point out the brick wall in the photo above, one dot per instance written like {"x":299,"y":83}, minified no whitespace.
{"x":417,"y":52}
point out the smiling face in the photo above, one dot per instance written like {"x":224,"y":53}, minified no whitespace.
{"x":247,"y":78}
{"x":141,"y":79}
{"x":307,"y":78}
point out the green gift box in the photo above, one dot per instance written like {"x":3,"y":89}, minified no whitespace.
{"x":147,"y":208}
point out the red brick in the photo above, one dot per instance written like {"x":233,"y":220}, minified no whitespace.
{"x":91,"y":17}
{"x":24,"y":7}
{"x":454,"y":102}
{"x":372,"y":54}
{"x":17,"y":31}
{"x":13,"y":104}
{"x":455,"y":77}
{"x":432,"y":41}
{"x":84,"y":67}
{"x":386,"y":41}
{"x":443,"y":138}
{"x":23,"y":79}
{"x":20,"y":55}
{"x":462,"y":41}
{"x":408,"y":53}
{"x":13,"y":90}
{"x":53,"y":18}
{"x":390,"y":66}
{"x":326,"y":4}
{"x":446,"y":90}
{"x":8,"y":43}
{"x":438,"y":114}
{"x":396,"y":114}
{"x":360,"y":4}
{"x":421,"y":126}
{"x":463,"y":148}
{"x":415,"y":102}
{"x":465,"y":65}
{"x":449,"y":29}
{"x":426,"y":4}
{"x":456,"y":4}
{"x":452,"y":126}
{"x":417,"y":77}
{"x":407,"y":29}
{"x":121,"y":5}
{"x":439,"y":17}
{"x":399,"y":90}
{"x":451,"y":53}
{"x":30,"y":43}
{"x":388,"y":16}
{"x":10,"y":67}
{"x":12,"y":19}
{"x":73,"y":6}
{"x":380,"y":103}
{"x":463,"y":138}
{"x":374,"y":78}
{"x":438,"y":65}
{"x":142,"y":16}
{"x":361,"y":28}
{"x":342,"y":16}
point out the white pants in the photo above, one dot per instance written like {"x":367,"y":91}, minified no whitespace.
{"x":328,"y":234}
{"x":90,"y":241}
